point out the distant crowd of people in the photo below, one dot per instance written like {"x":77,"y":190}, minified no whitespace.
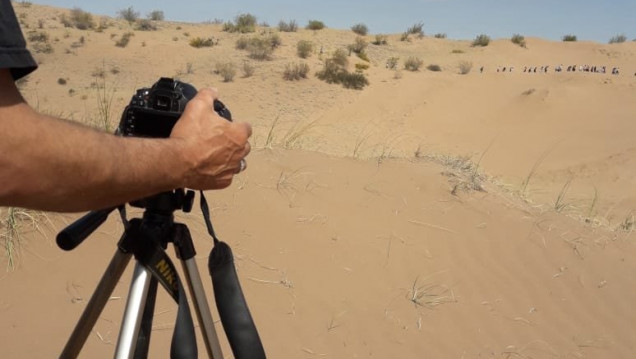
{"x":559,"y":68}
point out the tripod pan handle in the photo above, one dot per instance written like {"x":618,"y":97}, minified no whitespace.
{"x":73,"y":235}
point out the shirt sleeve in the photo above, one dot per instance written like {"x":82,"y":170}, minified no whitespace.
{"x":13,"y":52}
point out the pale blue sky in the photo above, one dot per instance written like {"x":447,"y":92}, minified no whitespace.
{"x":460,"y":19}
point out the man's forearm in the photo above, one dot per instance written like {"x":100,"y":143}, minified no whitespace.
{"x":53,"y":164}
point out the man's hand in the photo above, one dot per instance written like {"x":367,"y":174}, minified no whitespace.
{"x":210,"y":146}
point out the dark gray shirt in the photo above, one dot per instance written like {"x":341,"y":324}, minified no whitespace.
{"x":13,"y":52}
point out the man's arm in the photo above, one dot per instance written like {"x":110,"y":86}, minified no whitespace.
{"x":52,"y":164}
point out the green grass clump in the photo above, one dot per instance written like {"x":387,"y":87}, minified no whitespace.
{"x":413,"y":63}
{"x":289,"y":26}
{"x":335,"y":72}
{"x":519,"y":40}
{"x":360,"y":29}
{"x":304,"y":48}
{"x":481,"y":40}
{"x":295,"y":71}
{"x":315,"y":25}
{"x":199,"y":42}
{"x":569,"y":38}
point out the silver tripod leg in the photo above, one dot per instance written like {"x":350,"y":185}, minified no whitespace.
{"x":134,"y":311}
{"x":96,"y":304}
{"x":202,"y":309}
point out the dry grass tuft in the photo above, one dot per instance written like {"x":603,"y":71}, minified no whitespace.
{"x":13,"y":223}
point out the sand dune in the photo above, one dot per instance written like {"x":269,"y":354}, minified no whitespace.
{"x":365,"y":235}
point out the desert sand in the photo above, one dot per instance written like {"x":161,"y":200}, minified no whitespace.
{"x":428,"y":215}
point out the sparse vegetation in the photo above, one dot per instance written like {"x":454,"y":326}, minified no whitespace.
{"x":61,"y":81}
{"x":481,"y":40}
{"x":440,"y":35}
{"x":569,"y":38}
{"x":335,"y":72}
{"x":128,"y":14}
{"x":289,"y":26}
{"x":360,"y":29}
{"x":78,"y":19}
{"x":199,"y":42}
{"x":124,"y":39}
{"x":296,"y":71}
{"x":413,"y":63}
{"x":359,"y":45}
{"x":416,"y":29}
{"x":248,"y":69}
{"x":434,"y":68}
{"x":392,"y":63}
{"x":465,"y":67}
{"x":243,"y":24}
{"x":361,"y":67}
{"x":156,"y":15}
{"x":457,"y":51}
{"x":227,"y":70}
{"x":13,"y":225}
{"x":405,"y":37}
{"x":304,"y":48}
{"x":380,"y":40}
{"x":315,"y":25}
{"x":519,"y":40}
{"x":145,"y":25}
{"x":618,"y":39}
{"x":259,"y":47}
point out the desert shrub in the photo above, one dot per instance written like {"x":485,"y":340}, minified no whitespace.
{"x":242,"y":43}
{"x":145,"y":25}
{"x":416,"y":29}
{"x":227,"y":70}
{"x":43,"y":47}
{"x":569,"y":38}
{"x":156,"y":15}
{"x":274,"y":40}
{"x":363,"y":56}
{"x":80,"y":19}
{"x":339,"y":57}
{"x":304,"y":48}
{"x":290,"y":26}
{"x":481,"y":40}
{"x":248,"y":69}
{"x":465,"y":67}
{"x":380,"y":39}
{"x":295,"y":71}
{"x":243,"y":23}
{"x":259,"y":48}
{"x":125,"y":38}
{"x":392,"y":63}
{"x":440,"y":35}
{"x":519,"y":40}
{"x":334,"y":72}
{"x":360,"y":29}
{"x":359,"y":45}
{"x":199,"y":42}
{"x":434,"y":67}
{"x":413,"y":63}
{"x":618,"y":39}
{"x":38,"y":36}
{"x":361,"y":67}
{"x":315,"y":25}
{"x":128,"y":14}
{"x":404,"y":37}
{"x":104,"y":23}
{"x":61,"y":81}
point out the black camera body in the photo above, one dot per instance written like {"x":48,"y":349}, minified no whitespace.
{"x":152,"y":112}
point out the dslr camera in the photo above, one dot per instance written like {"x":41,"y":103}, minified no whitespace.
{"x":152,"y":112}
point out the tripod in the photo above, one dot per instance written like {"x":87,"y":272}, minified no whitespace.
{"x":146,"y":239}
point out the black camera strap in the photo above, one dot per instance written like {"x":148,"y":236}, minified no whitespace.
{"x":152,"y":256}
{"x":230,"y":301}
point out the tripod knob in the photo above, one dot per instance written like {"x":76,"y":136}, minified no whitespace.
{"x":188,"y":201}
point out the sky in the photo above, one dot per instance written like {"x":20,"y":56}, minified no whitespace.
{"x":594,"y":20}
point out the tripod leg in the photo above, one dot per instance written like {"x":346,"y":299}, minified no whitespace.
{"x":131,"y":323}
{"x":202,"y":309}
{"x":96,"y":304}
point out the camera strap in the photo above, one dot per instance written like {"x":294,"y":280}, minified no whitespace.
{"x":149,"y":252}
{"x":230,"y":301}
